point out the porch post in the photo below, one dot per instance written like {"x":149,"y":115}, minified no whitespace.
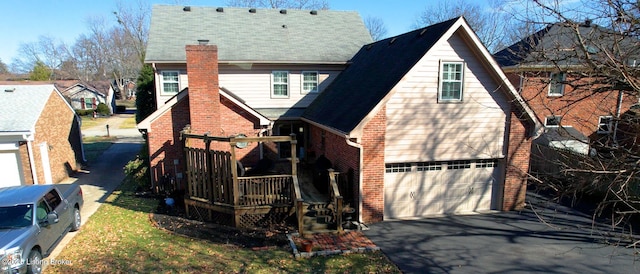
{"x":234,"y":186}
{"x":294,"y":155}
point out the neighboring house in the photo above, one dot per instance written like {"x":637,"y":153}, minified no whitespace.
{"x":420,"y":124}
{"x":548,"y":69}
{"x":271,"y":64}
{"x":429,"y":125}
{"x":88,"y":95}
{"x":40,"y":138}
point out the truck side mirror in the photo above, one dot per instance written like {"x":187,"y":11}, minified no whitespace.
{"x":52,"y":218}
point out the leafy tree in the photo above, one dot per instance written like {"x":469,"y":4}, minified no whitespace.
{"x":3,"y":68}
{"x":145,"y":101}
{"x":40,"y":72}
{"x":376,"y":27}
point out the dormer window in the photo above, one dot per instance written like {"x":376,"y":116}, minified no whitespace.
{"x":556,"y":85}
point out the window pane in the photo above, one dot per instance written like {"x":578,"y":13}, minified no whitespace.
{"x":451,"y":82}
{"x":280,"y":89}
{"x":309,"y":81}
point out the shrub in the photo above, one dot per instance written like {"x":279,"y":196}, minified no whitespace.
{"x":84,"y":112}
{"x":103,"y":109}
{"x":137,"y":170}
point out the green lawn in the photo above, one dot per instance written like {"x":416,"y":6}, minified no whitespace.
{"x":129,"y":123}
{"x":119,"y":238}
{"x":94,"y":146}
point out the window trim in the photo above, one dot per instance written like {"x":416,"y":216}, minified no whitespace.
{"x":441,"y":81}
{"x":609,"y":124}
{"x":162,"y":82}
{"x":553,"y":83}
{"x":273,"y":83}
{"x":302,"y":82}
{"x":558,"y":117}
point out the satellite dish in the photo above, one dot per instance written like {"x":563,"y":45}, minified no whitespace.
{"x":241,"y":144}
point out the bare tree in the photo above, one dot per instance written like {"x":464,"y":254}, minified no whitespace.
{"x":376,"y":27}
{"x":278,"y":4}
{"x":47,"y":50}
{"x":595,"y":45}
{"x":492,"y":25}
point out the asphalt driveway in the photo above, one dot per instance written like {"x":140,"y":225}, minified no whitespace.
{"x":544,"y":238}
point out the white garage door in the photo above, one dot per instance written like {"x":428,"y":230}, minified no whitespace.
{"x":453,"y":187}
{"x":10,"y":168}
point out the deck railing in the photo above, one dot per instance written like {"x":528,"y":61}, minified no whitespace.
{"x":336,"y":199}
{"x":265,"y":190}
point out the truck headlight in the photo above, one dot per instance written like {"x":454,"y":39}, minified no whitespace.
{"x":11,"y":258}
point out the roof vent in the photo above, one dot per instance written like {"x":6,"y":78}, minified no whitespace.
{"x":369,"y":46}
{"x":186,"y":8}
{"x":10,"y":90}
{"x":203,"y":41}
{"x":423,"y":31}
{"x":392,"y":40}
{"x":314,"y":12}
{"x":220,"y":9}
{"x":284,"y":26}
{"x":587,"y":23}
{"x":283,"y":11}
{"x":252,"y":10}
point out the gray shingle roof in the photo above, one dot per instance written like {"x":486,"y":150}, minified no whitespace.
{"x":558,"y":45}
{"x":376,"y":68}
{"x":21,"y":107}
{"x":264,"y":36}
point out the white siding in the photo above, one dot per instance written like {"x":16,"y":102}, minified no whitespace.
{"x":253,"y":84}
{"x":421,"y":129}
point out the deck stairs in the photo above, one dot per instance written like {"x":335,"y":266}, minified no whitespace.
{"x":318,"y":210}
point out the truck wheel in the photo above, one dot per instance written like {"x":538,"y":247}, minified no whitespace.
{"x":77,"y":220}
{"x":34,"y":265}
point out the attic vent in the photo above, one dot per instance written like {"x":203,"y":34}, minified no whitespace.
{"x":186,"y":8}
{"x":10,"y":90}
{"x":284,"y":26}
{"x":423,"y":31}
{"x":220,"y":9}
{"x":252,"y":10}
{"x":314,"y":12}
{"x":392,"y":40}
{"x":283,"y":11}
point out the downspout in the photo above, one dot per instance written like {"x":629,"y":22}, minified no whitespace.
{"x":84,"y":158}
{"x":32,"y":163}
{"x":360,"y":174}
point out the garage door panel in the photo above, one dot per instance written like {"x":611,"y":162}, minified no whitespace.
{"x":10,"y":168}
{"x":432,"y":190}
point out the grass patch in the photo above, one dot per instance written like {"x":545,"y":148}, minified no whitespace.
{"x":128,"y":123}
{"x":119,"y":238}
{"x":94,"y":146}
{"x":89,"y":122}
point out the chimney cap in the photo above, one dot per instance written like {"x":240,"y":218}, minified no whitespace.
{"x":203,"y":41}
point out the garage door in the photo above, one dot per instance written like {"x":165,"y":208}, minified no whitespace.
{"x":433,"y":188}
{"x":10,"y":168}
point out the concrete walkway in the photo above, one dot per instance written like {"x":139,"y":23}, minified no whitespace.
{"x":104,"y":175}
{"x":544,"y":238}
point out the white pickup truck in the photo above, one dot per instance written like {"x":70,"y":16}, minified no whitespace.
{"x":33,"y":219}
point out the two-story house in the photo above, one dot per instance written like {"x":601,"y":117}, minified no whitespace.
{"x":420,"y":124}
{"x":551,"y":71}
{"x":271,"y":64}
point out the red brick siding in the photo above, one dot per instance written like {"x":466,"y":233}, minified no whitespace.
{"x":26,"y":166}
{"x":579,"y":108}
{"x":519,"y":149}
{"x":373,"y":168}
{"x":234,"y":121}
{"x":58,"y":127}
{"x":164,"y":141}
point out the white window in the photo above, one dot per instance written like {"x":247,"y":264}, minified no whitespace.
{"x":170,"y":81}
{"x":458,"y":164}
{"x":552,"y":121}
{"x":605,"y":124}
{"x":309,"y":82}
{"x":280,"y":84}
{"x":556,"y":85}
{"x":397,"y":167}
{"x":451,"y":82}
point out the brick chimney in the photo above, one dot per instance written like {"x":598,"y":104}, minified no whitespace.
{"x":204,"y":96}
